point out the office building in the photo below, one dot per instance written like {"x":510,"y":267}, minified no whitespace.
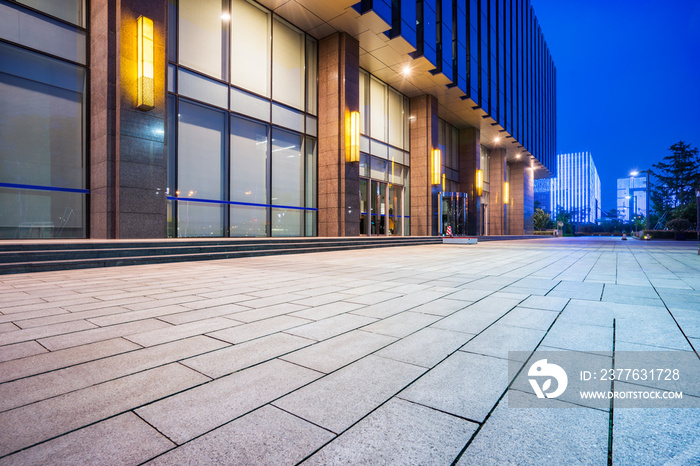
{"x":576,"y":189}
{"x":631,"y":197}
{"x":229,"y":118}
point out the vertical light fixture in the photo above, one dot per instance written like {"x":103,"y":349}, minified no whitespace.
{"x":443,"y":182}
{"x":479,"y":182}
{"x":352,"y":137}
{"x":506,"y":192}
{"x":436,"y":172}
{"x":146,"y":91}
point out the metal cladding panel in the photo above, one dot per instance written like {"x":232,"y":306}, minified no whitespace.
{"x":408,"y":22}
{"x":462,"y":35}
{"x":446,"y":36}
{"x":430,"y":31}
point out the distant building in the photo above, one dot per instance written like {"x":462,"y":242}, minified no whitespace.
{"x":576,"y":189}
{"x":631,"y":197}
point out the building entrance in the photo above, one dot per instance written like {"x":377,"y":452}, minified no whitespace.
{"x":381,"y":208}
{"x":453,"y":213}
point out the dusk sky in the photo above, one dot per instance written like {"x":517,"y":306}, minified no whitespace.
{"x":628,"y":80}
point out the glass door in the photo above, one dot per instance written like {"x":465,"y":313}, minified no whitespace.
{"x":364,"y":206}
{"x":454,"y":213}
{"x":395,"y":211}
{"x":378,"y":213}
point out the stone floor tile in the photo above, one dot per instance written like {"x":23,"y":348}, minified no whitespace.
{"x":201,"y":314}
{"x":340,"y":399}
{"x":551,"y":436}
{"x":48,"y":361}
{"x":441,"y":307}
{"x":336,"y":352}
{"x":266,"y":436}
{"x":579,"y":337}
{"x":133,"y":316}
{"x":547,"y":303}
{"x":194,"y":412}
{"x":325,"y":311}
{"x":26,"y":315}
{"x":178,"y":332}
{"x":450,"y":387}
{"x":36,"y":333}
{"x":527,"y":318}
{"x":234,"y":358}
{"x":267,"y":312}
{"x":470,"y":295}
{"x":124,"y":439}
{"x":332,"y":326}
{"x":399,"y":432}
{"x":402,"y":324}
{"x":25,"y":426}
{"x":426,"y":347}
{"x":578,"y":290}
{"x":322,"y":299}
{"x":372,"y":298}
{"x":468,"y":320}
{"x":499,"y":339}
{"x":245,"y":332}
{"x":20,"y":350}
{"x":98,"y":334}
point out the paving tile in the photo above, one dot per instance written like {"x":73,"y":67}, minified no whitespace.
{"x":579,"y":337}
{"x":562,"y":435}
{"x":25,"y":426}
{"x":48,"y":361}
{"x":527,"y":318}
{"x":656,"y":436}
{"x":578,"y":290}
{"x":340,"y":399}
{"x":536,"y":283}
{"x":49,"y":384}
{"x":69,"y":316}
{"x":194,"y":412}
{"x":270,"y":300}
{"x":103,"y":333}
{"x":426,"y":347}
{"x":327,"y":328}
{"x":499,"y":339}
{"x":336,"y":352}
{"x":245,"y":332}
{"x":399,"y":432}
{"x":266,"y":436}
{"x":322,"y":299}
{"x":201,"y":314}
{"x":177,"y":332}
{"x":20,"y":350}
{"x":372,"y":298}
{"x":8,"y":327}
{"x":470,"y":295}
{"x":327,"y":310}
{"x":548,"y":303}
{"x":234,"y":358}
{"x":441,"y":307}
{"x":469,"y":320}
{"x":133,"y":316}
{"x":402,"y":324}
{"x":18,"y":336}
{"x":403,"y":303}
{"x":450,"y":386}
{"x":124,"y":439}
{"x":267,"y":312}
{"x":19,"y":316}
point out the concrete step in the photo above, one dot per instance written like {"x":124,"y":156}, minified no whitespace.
{"x":62,"y":256}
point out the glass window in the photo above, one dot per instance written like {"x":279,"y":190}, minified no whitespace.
{"x":364,"y":103}
{"x":378,"y":168}
{"x":203,"y":35}
{"x":72,"y":11}
{"x":249,"y":146}
{"x":200,"y":170}
{"x":311,"y":76}
{"x":311,"y":164}
{"x":395,"y":118}
{"x":287,"y":65}
{"x":287,"y":183}
{"x":378,"y":117}
{"x":250,"y":47}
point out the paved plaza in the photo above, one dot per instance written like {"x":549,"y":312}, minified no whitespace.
{"x":396,"y":355}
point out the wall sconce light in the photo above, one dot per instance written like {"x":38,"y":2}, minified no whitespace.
{"x":506,"y":192}
{"x":443,"y":182}
{"x":479,"y":182}
{"x":146,"y":91}
{"x":352,"y":137}
{"x":436,"y":172}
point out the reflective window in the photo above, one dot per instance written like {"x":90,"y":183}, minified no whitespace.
{"x":288,"y":81}
{"x":203,"y":35}
{"x":311,"y":168}
{"x":250,"y":47}
{"x":378,"y":111}
{"x":311,"y":76}
{"x":72,"y":11}
{"x":287,"y":183}
{"x":249,"y":146}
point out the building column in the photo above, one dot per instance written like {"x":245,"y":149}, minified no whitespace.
{"x":127,"y":146}
{"x":522,"y":188}
{"x":469,"y":163}
{"x":424,"y":137}
{"x":497,"y":176}
{"x":338,"y":95}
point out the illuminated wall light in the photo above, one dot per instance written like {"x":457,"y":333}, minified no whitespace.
{"x":145,"y":99}
{"x":479,"y":182}
{"x":352,"y":137}
{"x":443,"y":182}
{"x":506,"y":192}
{"x":436,"y":171}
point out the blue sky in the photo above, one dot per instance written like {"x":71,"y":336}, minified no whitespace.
{"x":628,"y":80}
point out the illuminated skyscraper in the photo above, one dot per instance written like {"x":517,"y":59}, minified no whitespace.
{"x":631,"y":197}
{"x":576,"y":189}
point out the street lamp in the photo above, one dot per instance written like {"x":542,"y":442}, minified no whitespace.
{"x":647,"y":194}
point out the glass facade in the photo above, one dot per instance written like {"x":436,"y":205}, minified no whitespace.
{"x":384,"y":159}
{"x":43,"y":105}
{"x":243,"y":159}
{"x":631,"y":197}
{"x":448,"y":143}
{"x":576,"y":189}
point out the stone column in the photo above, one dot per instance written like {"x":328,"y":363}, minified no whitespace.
{"x":338,"y":95}
{"x":127,"y":146}
{"x":522,"y":188}
{"x":497,"y":169}
{"x":424,"y":137}
{"x":469,"y":163}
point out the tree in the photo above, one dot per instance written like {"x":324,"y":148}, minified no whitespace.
{"x":676,"y":176}
{"x":540,"y":219}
